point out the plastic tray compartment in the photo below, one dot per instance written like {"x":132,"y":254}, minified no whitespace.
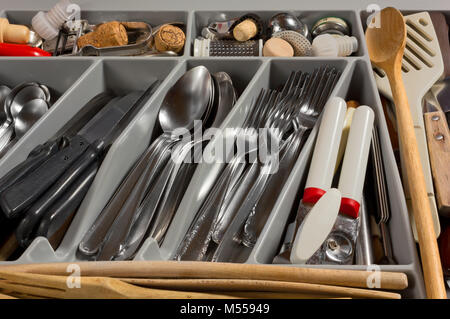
{"x":65,"y":82}
{"x":354,"y":84}
{"x":154,"y":18}
{"x":270,"y":75}
{"x":201,"y":19}
{"x":242,"y":74}
{"x":119,"y":76}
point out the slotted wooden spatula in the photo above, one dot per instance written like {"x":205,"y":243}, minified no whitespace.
{"x":422,"y":66}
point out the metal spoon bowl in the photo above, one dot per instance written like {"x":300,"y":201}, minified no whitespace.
{"x":4,"y":92}
{"x":187,"y":100}
{"x":285,"y":22}
{"x":31,"y":112}
{"x":25,"y":93}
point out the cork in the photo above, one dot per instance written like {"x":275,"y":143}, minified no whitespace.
{"x":245,"y":30}
{"x":278,"y":47}
{"x":108,"y":34}
{"x":169,"y":38}
{"x":13,"y":33}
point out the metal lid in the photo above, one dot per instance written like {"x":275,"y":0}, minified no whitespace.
{"x":331,"y":25}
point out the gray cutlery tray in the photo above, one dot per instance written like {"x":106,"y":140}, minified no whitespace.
{"x":77,"y":79}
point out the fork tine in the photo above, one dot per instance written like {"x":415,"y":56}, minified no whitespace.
{"x":287,"y":85}
{"x":331,"y":83}
{"x":253,"y":108}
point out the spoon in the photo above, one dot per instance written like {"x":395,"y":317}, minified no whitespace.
{"x":26,"y":93}
{"x":6,"y":128}
{"x":30,"y":113}
{"x":226,"y":95}
{"x":187,"y":100}
{"x":4,"y":92}
{"x":386,"y":43}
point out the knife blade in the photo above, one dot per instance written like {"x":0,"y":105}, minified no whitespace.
{"x":438,"y":138}
{"x":83,"y":150}
{"x":41,"y":152}
{"x":34,"y":214}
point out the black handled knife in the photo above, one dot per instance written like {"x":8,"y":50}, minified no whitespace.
{"x":84,"y":149}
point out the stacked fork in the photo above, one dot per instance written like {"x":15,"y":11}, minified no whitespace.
{"x":235,"y":211}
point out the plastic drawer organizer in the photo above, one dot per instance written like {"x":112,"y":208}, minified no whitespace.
{"x":75,"y":80}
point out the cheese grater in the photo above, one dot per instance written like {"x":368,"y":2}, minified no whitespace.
{"x":208,"y":47}
{"x":422,"y":66}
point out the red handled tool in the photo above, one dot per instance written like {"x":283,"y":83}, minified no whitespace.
{"x":8,"y":49}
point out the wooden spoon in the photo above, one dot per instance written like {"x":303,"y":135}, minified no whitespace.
{"x":386,"y":39}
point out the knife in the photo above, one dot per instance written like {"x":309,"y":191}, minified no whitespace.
{"x":41,"y":152}
{"x":84,"y":149}
{"x":32,"y":185}
{"x":438,"y":138}
{"x":57,"y":219}
{"x":34,"y":214}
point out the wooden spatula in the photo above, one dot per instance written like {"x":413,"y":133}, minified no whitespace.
{"x":386,"y":44}
{"x":422,"y":65}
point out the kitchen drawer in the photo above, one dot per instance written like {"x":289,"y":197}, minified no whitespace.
{"x":85,"y":77}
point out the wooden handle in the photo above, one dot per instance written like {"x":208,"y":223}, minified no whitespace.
{"x":2,"y":296}
{"x":438,"y":138}
{"x":431,"y":264}
{"x":205,"y":270}
{"x":224,"y":285}
{"x":92,"y":288}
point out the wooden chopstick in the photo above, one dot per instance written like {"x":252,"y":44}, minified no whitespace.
{"x":92,"y":288}
{"x":102,"y":287}
{"x":246,"y":285}
{"x":2,"y":296}
{"x":208,"y":270}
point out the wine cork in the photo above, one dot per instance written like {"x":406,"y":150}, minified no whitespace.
{"x":13,"y":33}
{"x":169,"y":38}
{"x":108,"y":34}
{"x":278,"y":47}
{"x":245,"y":30}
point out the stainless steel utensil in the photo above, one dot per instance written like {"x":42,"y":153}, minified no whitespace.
{"x":187,"y":100}
{"x":286,"y":21}
{"x":13,"y":105}
{"x":224,"y":48}
{"x":382,"y":198}
{"x":30,"y":113}
{"x":226,"y":97}
{"x":364,"y":251}
{"x":4,"y":92}
{"x":25,"y":93}
{"x":216,"y":234}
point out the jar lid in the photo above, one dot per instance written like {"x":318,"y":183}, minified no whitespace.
{"x":331,"y":25}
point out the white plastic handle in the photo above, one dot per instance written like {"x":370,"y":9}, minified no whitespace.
{"x":356,"y":154}
{"x":327,"y":144}
{"x":201,"y":47}
{"x":316,"y":227}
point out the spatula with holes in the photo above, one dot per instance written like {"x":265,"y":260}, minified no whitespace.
{"x":422,"y":66}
